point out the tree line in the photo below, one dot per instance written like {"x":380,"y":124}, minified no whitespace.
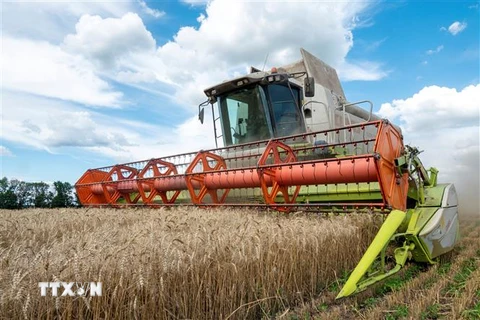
{"x":16,"y":194}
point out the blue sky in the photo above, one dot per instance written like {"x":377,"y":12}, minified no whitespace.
{"x":404,"y":33}
{"x":88,"y":84}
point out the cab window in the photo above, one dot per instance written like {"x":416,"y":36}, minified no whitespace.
{"x":286,"y":113}
{"x":243,"y":116}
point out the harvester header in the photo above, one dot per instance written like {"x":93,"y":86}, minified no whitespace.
{"x":289,"y":172}
{"x":291,"y":141}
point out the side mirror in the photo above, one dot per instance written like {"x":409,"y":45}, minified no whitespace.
{"x":201,"y":114}
{"x":309,"y":87}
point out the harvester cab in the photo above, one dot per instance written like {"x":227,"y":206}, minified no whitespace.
{"x":305,"y":96}
{"x":291,"y":141}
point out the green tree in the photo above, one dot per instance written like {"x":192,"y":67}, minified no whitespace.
{"x":63,"y":197}
{"x":16,"y":194}
{"x":8,"y":198}
{"x":3,"y":184}
{"x":23,"y":192}
{"x":42,"y":196}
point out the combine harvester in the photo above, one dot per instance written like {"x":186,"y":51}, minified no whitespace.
{"x":291,"y":141}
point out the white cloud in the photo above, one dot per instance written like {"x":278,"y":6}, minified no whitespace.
{"x":106,"y":40}
{"x":41,"y":68}
{"x":195,"y":2}
{"x":190,"y":136}
{"x":5,"y":152}
{"x":52,"y":20}
{"x":48,"y":124}
{"x":151,"y":12}
{"x":367,"y":71}
{"x":225,"y":43}
{"x":55,"y":126}
{"x":436,"y":50}
{"x":275,"y":28}
{"x":455,"y":28}
{"x":201,"y":17}
{"x":439,"y":106}
{"x":371,"y":46}
{"x":122,"y":48}
{"x":445,"y":123}
{"x":136,"y":77}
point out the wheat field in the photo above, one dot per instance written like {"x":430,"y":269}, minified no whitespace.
{"x":182,"y":263}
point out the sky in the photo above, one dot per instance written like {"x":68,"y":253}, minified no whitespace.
{"x":88,"y":84}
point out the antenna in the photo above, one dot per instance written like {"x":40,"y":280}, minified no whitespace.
{"x":265,"y":62}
